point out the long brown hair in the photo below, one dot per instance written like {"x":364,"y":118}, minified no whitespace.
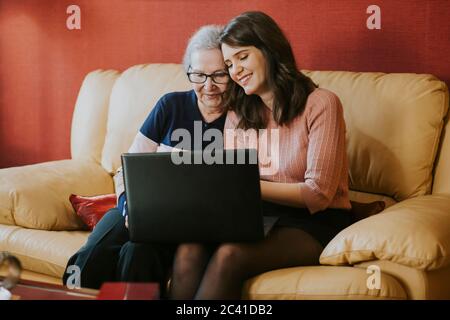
{"x":290,"y":87}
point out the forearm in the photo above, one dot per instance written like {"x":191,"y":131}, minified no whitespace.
{"x":140,"y":144}
{"x":118,"y":183}
{"x":288,"y":194}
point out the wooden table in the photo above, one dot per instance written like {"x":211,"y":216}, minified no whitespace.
{"x":34,"y":290}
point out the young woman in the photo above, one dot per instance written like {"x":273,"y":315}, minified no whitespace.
{"x":308,"y":189}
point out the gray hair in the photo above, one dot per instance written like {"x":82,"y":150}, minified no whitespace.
{"x":206,"y":38}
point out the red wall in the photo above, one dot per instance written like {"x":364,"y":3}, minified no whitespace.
{"x":42,"y":63}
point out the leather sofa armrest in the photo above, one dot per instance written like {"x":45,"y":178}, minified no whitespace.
{"x":414,"y":232}
{"x":37,"y":196}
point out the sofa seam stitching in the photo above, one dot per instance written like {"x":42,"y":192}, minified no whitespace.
{"x":390,"y":253}
{"x":337,"y":295}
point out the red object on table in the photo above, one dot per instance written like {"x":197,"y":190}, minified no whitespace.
{"x":129,"y":291}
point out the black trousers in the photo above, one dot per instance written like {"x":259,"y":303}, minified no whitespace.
{"x":108,"y":256}
{"x":98,"y":257}
{"x":144,"y":262}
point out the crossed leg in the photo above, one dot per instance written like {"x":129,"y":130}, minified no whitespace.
{"x":189,"y":265}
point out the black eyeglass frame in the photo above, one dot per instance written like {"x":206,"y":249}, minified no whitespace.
{"x":212,"y":76}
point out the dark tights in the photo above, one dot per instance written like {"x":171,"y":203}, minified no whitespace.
{"x":202,"y":273}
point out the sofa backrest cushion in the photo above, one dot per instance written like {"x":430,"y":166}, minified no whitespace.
{"x":133,"y":96}
{"x":394,"y":124}
{"x":90,"y":115}
{"x":441,"y":181}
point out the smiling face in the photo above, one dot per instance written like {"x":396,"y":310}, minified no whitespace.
{"x":209,"y":94}
{"x":247,"y":67}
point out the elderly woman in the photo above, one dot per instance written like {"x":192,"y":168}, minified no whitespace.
{"x":109,"y":245}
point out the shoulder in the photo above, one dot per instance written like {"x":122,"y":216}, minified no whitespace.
{"x":172,"y":104}
{"x":323,"y":108}
{"x":176,"y":99}
{"x":178,"y":95}
{"x":322,"y":101}
{"x":324,"y":98}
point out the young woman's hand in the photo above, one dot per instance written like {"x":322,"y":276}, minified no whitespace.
{"x":288,"y":194}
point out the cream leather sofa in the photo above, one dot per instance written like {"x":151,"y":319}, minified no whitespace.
{"x":398,"y":143}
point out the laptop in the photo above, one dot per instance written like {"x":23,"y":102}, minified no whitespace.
{"x":170,"y":201}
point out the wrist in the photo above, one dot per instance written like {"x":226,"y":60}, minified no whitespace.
{"x":263,"y":187}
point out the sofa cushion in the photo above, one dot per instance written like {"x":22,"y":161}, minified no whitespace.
{"x":394,"y":123}
{"x":418,"y":284}
{"x":41,"y":251}
{"x":133,"y":96}
{"x":90,"y":115}
{"x":414,"y":232}
{"x":321,"y":283}
{"x":441,"y":181}
{"x":37,"y":196}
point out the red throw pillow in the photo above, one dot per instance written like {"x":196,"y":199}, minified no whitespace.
{"x":92,"y":209}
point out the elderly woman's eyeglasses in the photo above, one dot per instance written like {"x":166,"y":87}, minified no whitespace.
{"x":217,"y":77}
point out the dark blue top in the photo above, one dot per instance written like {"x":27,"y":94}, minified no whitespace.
{"x":176,"y":110}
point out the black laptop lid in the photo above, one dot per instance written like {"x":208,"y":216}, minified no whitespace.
{"x":193,"y":201}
